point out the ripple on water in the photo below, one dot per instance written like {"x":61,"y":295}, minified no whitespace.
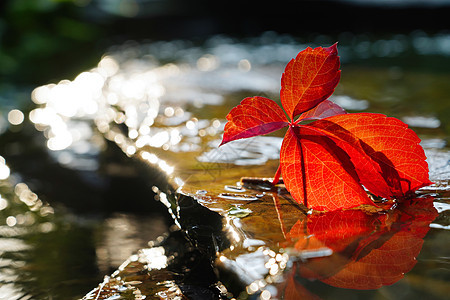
{"x":239,"y":197}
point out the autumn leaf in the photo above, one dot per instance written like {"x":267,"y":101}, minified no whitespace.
{"x":254,"y":116}
{"x":385,"y":153}
{"x":309,"y":79}
{"x":323,"y":110}
{"x":328,"y":157}
{"x":318,"y":173}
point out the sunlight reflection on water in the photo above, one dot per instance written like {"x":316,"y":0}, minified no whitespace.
{"x":4,"y":169}
{"x":143,"y":95}
{"x":22,"y":214}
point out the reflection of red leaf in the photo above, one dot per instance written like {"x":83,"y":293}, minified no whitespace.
{"x":369,"y":251}
{"x":309,"y":79}
{"x":326,"y":163}
{"x":384,"y":266}
{"x":292,"y":290}
{"x":341,"y":228}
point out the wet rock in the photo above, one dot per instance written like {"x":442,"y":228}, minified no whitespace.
{"x":171,"y":269}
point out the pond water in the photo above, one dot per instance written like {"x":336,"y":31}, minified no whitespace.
{"x":84,"y":160}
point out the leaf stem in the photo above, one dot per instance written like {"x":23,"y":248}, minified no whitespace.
{"x":296,"y":121}
{"x":276,"y":177}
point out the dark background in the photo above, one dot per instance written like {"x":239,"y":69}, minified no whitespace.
{"x":44,"y":40}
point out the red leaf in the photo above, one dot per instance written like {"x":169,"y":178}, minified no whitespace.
{"x":323,"y":110}
{"x":309,"y":79}
{"x":254,"y":116}
{"x":326,"y":163}
{"x":318,"y":173}
{"x":384,"y":152}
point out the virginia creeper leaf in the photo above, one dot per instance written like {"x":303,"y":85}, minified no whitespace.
{"x":326,"y":163}
{"x":318,"y":173}
{"x":309,"y":79}
{"x":254,"y":116}
{"x":323,"y":110}
{"x":385,"y":153}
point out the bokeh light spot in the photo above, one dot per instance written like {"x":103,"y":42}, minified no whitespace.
{"x":15,"y":117}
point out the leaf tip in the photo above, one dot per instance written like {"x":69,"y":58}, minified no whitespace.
{"x":332,"y":50}
{"x":225,"y":139}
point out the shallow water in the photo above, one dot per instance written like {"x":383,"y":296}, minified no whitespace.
{"x":163,"y":104}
